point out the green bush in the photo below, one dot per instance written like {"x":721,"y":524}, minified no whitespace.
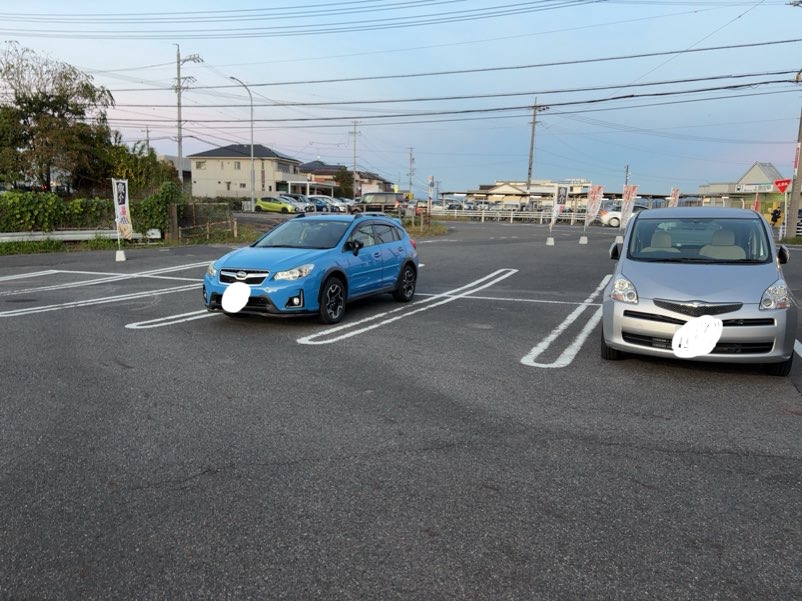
{"x":46,"y":212}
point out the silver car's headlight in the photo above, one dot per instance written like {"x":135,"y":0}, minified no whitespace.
{"x":295,"y":274}
{"x":624,"y":291}
{"x":776,"y":296}
{"x":211,"y":269}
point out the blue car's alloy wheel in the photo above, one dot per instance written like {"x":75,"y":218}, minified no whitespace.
{"x":406,"y":285}
{"x":332,"y":300}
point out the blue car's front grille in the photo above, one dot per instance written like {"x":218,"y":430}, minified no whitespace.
{"x":252,"y":277}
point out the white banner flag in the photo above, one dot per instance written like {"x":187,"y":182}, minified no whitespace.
{"x":628,"y":201}
{"x":594,"y":203}
{"x":560,"y":200}
{"x":674,"y":200}
{"x":121,"y":210}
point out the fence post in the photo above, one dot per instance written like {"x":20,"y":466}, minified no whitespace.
{"x":174,"y":230}
{"x":234,"y":226}
{"x":208,"y":229}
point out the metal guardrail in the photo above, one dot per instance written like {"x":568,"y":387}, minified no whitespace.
{"x":511,"y":216}
{"x":74,"y":235}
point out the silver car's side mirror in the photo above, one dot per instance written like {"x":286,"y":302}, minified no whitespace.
{"x":783,"y":255}
{"x":615,"y":250}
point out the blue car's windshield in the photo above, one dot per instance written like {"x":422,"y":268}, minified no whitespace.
{"x":301,"y":233}
{"x":706,"y":240}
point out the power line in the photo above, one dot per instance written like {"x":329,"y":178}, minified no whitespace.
{"x":275,"y":103}
{"x":500,"y":109}
{"x":284,"y":30}
{"x":492,"y":69}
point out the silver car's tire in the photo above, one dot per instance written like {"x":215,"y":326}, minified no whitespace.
{"x":614,"y":222}
{"x":610,"y":354}
{"x":779,"y":369}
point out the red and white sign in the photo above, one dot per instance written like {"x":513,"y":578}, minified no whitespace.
{"x":673,"y":201}
{"x":627,"y":202}
{"x":594,"y":203}
{"x":782,"y":184}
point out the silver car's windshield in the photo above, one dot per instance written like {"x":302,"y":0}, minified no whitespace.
{"x":707,"y":240}
{"x":304,"y":233}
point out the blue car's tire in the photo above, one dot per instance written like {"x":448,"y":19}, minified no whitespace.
{"x":405,"y":288}
{"x":332,"y":300}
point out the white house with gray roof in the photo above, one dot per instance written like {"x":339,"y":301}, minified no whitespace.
{"x":226,"y":172}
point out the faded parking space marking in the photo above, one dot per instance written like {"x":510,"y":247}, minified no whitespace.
{"x":430,"y":303}
{"x":96,"y":301}
{"x":108,"y":278}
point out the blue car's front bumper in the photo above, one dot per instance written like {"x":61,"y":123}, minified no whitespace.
{"x":286,"y":298}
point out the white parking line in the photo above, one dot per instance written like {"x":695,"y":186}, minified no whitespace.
{"x":571,"y":351}
{"x":156,"y":273}
{"x":170,"y":320}
{"x":434,"y":301}
{"x":95,"y":301}
{"x":33,"y":274}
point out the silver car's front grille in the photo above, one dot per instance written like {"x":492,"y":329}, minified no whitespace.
{"x":251,"y":277}
{"x":697,"y":308}
{"x":722,"y":348}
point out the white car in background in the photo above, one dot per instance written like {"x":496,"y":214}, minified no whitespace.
{"x":612,"y":215}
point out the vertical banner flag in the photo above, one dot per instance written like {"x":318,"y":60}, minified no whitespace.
{"x":628,"y":200}
{"x":674,"y":200}
{"x":121,"y":211}
{"x":757,"y":202}
{"x":594,"y":203}
{"x":560,"y":200}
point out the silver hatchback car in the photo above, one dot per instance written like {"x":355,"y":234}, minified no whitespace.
{"x":703,"y":278}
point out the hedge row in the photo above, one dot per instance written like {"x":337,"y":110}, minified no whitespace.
{"x":46,"y":212}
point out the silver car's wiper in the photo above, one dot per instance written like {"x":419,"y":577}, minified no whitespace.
{"x":676,"y":260}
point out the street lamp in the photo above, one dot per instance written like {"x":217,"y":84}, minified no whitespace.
{"x":252,"y":174}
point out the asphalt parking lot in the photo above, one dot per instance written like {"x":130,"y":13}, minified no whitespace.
{"x":469,"y":445}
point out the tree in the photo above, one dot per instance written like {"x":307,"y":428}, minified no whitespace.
{"x":53,"y":113}
{"x":140,"y":166}
{"x":345,"y":183}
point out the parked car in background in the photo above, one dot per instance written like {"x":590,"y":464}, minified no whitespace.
{"x":300,"y":207}
{"x":386,"y":202}
{"x":275,"y":204}
{"x":612,"y":215}
{"x":335,"y":206}
{"x":315,"y":264}
{"x":703,"y":284}
{"x":301,"y":198}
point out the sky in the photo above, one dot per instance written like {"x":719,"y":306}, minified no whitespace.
{"x":660,"y":94}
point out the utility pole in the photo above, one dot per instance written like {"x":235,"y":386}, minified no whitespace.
{"x":626,"y":176}
{"x":355,"y":176}
{"x":411,"y":171}
{"x":793,"y":205}
{"x":179,"y":86}
{"x":535,"y":109}
{"x":147,"y":139}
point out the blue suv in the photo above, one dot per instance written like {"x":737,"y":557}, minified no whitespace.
{"x":315,"y":264}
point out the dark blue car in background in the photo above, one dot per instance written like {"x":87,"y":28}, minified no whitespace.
{"x":315,"y":264}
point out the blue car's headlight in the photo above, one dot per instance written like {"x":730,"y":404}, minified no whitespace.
{"x":211,"y":269}
{"x":295,"y":274}
{"x":776,"y":296}
{"x":624,"y":291}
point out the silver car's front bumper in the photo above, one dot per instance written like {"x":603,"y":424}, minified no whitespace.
{"x":749,"y":334}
